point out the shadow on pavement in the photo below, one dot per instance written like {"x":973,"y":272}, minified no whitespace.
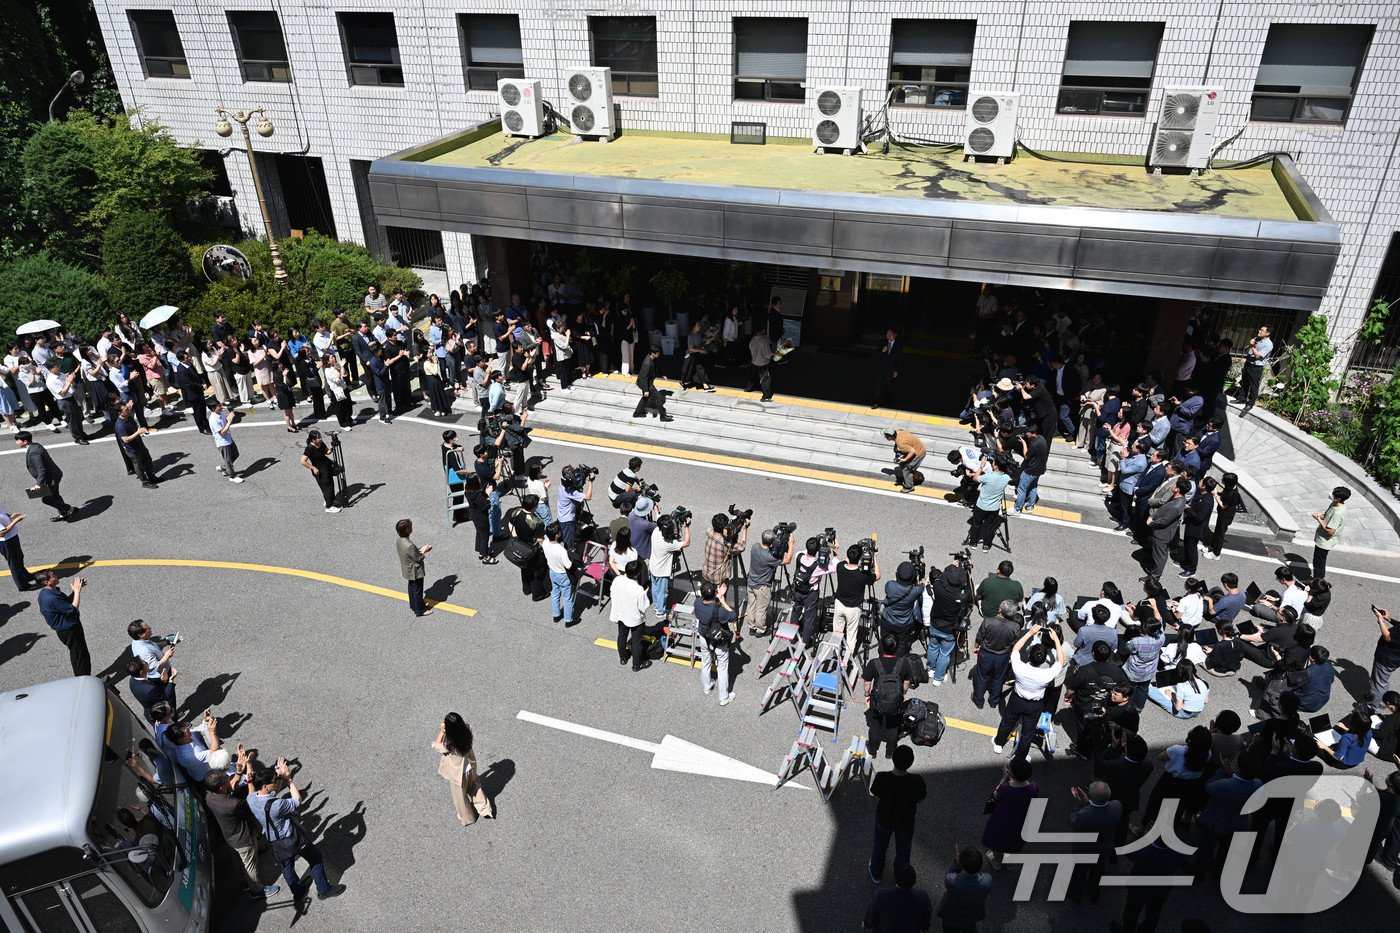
{"x":16,"y":645}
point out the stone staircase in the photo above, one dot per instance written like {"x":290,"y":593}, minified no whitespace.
{"x":839,"y":438}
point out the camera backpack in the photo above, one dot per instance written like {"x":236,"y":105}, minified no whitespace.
{"x":887,"y":696}
{"x":929,"y":730}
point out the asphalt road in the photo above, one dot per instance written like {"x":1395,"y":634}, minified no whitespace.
{"x":589,"y":836}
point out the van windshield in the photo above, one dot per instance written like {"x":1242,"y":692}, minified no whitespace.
{"x":134,"y":807}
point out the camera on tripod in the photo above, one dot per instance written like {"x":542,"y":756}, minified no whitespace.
{"x":738,"y":518}
{"x":866,"y":562}
{"x":916,"y":558}
{"x":962,"y":557}
{"x":782,"y":534}
{"x":574,"y":478}
{"x":826,"y":543}
{"x":679,"y":516}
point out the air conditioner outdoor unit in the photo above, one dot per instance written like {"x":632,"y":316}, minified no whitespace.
{"x":836,"y":119}
{"x":1186,"y":124}
{"x":990,"y":129}
{"x":589,"y":101}
{"x":522,"y":107}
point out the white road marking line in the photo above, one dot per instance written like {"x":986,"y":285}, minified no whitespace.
{"x":672,"y":754}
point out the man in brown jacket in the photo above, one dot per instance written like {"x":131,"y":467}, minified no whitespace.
{"x":908,"y":454}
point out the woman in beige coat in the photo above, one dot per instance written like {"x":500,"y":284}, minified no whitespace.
{"x":458,"y":768}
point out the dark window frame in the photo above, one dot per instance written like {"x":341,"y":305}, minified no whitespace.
{"x":168,"y":66}
{"x":628,"y":83}
{"x":385,"y":73}
{"x":1106,"y":95}
{"x":260,"y":70}
{"x":1298,"y":111}
{"x":948,"y":90}
{"x":484,"y":76}
{"x":770,"y":88}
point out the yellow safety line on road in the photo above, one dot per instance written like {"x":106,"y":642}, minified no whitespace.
{"x":764,"y":466}
{"x":260,"y":568}
{"x":889,"y":414}
{"x":610,"y":643}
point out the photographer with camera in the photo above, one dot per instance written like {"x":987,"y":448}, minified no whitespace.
{"x":1087,"y":693}
{"x":717,"y":625}
{"x":949,"y":604}
{"x":1035,"y":460}
{"x":642,"y":522}
{"x":967,"y":462}
{"x":909,"y":452}
{"x":806,"y":582}
{"x":899,"y":617}
{"x":280,"y":823}
{"x":859,"y":573}
{"x":1042,"y":411}
{"x":1027,"y":700}
{"x":775,"y":548}
{"x":575,"y":488}
{"x":627,"y":480}
{"x":489,"y":468}
{"x":316,"y":457}
{"x":991,"y":482}
{"x":728,"y":535}
{"x":524,"y":549}
{"x":672,"y":535}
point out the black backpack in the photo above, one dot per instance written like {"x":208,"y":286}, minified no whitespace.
{"x":887,"y":696}
{"x":929,"y":730}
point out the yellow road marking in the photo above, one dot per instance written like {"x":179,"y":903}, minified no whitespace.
{"x":259,"y":568}
{"x":778,"y":469}
{"x":610,"y":643}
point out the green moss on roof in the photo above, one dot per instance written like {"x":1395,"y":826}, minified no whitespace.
{"x":913,"y":172}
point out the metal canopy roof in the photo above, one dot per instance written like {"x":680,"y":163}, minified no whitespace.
{"x":1191,"y":256}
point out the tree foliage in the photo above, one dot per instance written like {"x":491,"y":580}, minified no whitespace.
{"x":41,"y":286}
{"x":1385,"y":424}
{"x":139,"y":168}
{"x":670,"y":285}
{"x":145,"y":264}
{"x":323,"y":274}
{"x":1309,"y":382}
{"x":59,"y":188}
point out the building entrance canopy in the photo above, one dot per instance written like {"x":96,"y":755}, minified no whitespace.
{"x":1254,"y":235}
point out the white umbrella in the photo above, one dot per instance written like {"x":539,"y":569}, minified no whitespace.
{"x":37,"y":327}
{"x":157,"y":316}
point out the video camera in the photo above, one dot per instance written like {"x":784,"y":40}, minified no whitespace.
{"x":916,"y":557}
{"x":574,"y":478}
{"x":826,"y":543}
{"x":517,"y":435}
{"x":868,"y":550}
{"x":782,"y":533}
{"x":738,"y":518}
{"x":679,"y":516}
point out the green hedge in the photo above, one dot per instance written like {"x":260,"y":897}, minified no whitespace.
{"x":44,"y":287}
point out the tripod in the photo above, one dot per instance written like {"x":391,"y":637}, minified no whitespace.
{"x":869,"y":618}
{"x":960,"y":649}
{"x":338,"y":459}
{"x":1004,"y":528}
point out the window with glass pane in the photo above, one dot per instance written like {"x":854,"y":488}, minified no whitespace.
{"x":770,"y":59}
{"x":158,"y":44}
{"x":1108,"y":68}
{"x":491,"y":49}
{"x":262,"y":53}
{"x":371,"y":49}
{"x":627,"y":45}
{"x":1309,"y":72}
{"x":931,"y":62}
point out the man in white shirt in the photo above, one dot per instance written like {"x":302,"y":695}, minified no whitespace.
{"x":666,"y":541}
{"x":561,"y":585}
{"x":627,"y":606}
{"x":104,"y":343}
{"x":221,"y":422}
{"x":1118,"y":614}
{"x":191,"y":748}
{"x":1027,"y":700}
{"x":1269,"y":607}
{"x":322,"y":339}
{"x":61,"y":388}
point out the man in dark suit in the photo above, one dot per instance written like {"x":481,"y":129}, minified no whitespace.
{"x":1145,"y":901}
{"x":359,"y":341}
{"x":1125,"y":767}
{"x":1065,"y":387}
{"x":888,"y":363}
{"x":1100,"y":815}
{"x":1210,"y":376}
{"x":46,"y":475}
{"x":1152,"y":478}
{"x":651,"y":395}
{"x":192,"y":391}
{"x":1298,"y":757}
{"x":1163,"y":524}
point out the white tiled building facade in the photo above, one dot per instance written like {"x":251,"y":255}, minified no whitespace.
{"x":1353,"y":165}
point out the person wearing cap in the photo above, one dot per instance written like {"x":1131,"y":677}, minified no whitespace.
{"x":642,"y":522}
{"x":901,"y":611}
{"x":909,"y":452}
{"x":947,"y":607}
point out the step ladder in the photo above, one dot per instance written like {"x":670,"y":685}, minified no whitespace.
{"x":456,"y":493}
{"x":787,"y":641}
{"x":856,"y":763}
{"x":807,"y":755}
{"x":681,"y":637}
{"x":822,"y":703}
{"x":783,"y":685}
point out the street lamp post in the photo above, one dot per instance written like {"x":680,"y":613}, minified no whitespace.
{"x":224,"y":128}
{"x":75,"y":79}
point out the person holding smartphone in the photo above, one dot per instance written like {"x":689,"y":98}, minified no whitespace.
{"x":1386,"y":659}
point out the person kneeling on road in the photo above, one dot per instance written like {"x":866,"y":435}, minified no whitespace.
{"x":716,"y":624}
